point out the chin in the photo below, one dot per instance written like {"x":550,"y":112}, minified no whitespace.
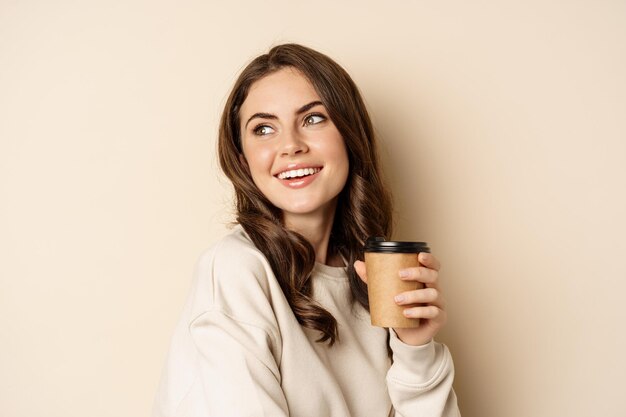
{"x":300,"y":208}
{"x":305,"y":207}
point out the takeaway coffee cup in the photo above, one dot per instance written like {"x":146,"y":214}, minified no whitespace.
{"x":383,"y":260}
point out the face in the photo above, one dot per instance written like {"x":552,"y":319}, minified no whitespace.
{"x":294,"y":152}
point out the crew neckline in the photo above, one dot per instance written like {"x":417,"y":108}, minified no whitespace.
{"x":338,"y":272}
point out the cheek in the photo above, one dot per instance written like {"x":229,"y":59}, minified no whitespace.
{"x":259,"y":158}
{"x":339,"y":153}
{"x":343,"y":162}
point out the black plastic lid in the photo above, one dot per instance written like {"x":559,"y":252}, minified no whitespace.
{"x":379,"y":244}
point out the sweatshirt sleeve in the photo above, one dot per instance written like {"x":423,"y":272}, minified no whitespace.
{"x":225,"y":353}
{"x":237,"y":370}
{"x":420,"y":380}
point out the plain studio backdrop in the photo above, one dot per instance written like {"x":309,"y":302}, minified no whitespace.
{"x":503,"y":130}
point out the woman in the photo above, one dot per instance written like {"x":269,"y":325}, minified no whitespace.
{"x":277,"y":321}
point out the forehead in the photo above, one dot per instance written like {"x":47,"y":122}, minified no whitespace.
{"x":282,"y":91}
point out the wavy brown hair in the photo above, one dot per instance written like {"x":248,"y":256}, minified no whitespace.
{"x":364,"y":205}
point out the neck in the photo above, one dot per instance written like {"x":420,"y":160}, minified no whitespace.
{"x":316,"y":228}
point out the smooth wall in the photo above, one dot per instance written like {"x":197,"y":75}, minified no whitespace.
{"x":503,"y":128}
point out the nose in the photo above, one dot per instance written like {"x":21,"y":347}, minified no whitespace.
{"x":292,"y":144}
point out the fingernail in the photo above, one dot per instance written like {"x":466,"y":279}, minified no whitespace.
{"x":404,"y":273}
{"x":399,"y":298}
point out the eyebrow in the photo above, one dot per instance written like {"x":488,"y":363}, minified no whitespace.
{"x":301,"y":110}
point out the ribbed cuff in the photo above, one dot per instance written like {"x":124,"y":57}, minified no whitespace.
{"x":417,"y":365}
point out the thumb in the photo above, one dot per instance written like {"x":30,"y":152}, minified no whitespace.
{"x":359,"y":267}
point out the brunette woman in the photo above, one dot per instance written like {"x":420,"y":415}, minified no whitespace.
{"x":277,"y":322}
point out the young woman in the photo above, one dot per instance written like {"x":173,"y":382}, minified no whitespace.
{"x":277,"y":321}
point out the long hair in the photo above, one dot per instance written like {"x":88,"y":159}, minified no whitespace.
{"x":364,"y":205}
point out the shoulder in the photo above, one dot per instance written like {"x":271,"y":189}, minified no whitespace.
{"x":230,"y":273}
{"x":234,"y":254}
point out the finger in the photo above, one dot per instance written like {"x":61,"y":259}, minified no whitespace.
{"x":429,"y":260}
{"x":359,"y":267}
{"x":423,"y":312}
{"x":430,"y":296}
{"x":420,"y":273}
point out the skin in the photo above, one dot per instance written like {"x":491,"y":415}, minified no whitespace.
{"x":276,"y":134}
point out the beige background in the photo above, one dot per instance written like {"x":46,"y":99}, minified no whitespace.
{"x":504,"y":133}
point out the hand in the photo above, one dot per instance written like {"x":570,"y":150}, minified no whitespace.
{"x":431,"y":312}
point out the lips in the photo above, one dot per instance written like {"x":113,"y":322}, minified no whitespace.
{"x":297,"y":173}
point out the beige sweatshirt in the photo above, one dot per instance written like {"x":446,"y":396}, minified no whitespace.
{"x":238,"y":350}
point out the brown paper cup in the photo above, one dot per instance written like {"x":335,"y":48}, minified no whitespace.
{"x":384,"y":283}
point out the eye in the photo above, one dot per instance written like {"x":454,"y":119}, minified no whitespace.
{"x":263,"y":130}
{"x":313,"y":119}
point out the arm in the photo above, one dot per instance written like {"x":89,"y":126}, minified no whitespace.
{"x":225,"y":352}
{"x":238,"y":373}
{"x":420,"y":379}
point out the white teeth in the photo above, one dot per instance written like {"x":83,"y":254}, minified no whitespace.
{"x":298,"y":173}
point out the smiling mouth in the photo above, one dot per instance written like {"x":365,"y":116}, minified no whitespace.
{"x":298,"y":173}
